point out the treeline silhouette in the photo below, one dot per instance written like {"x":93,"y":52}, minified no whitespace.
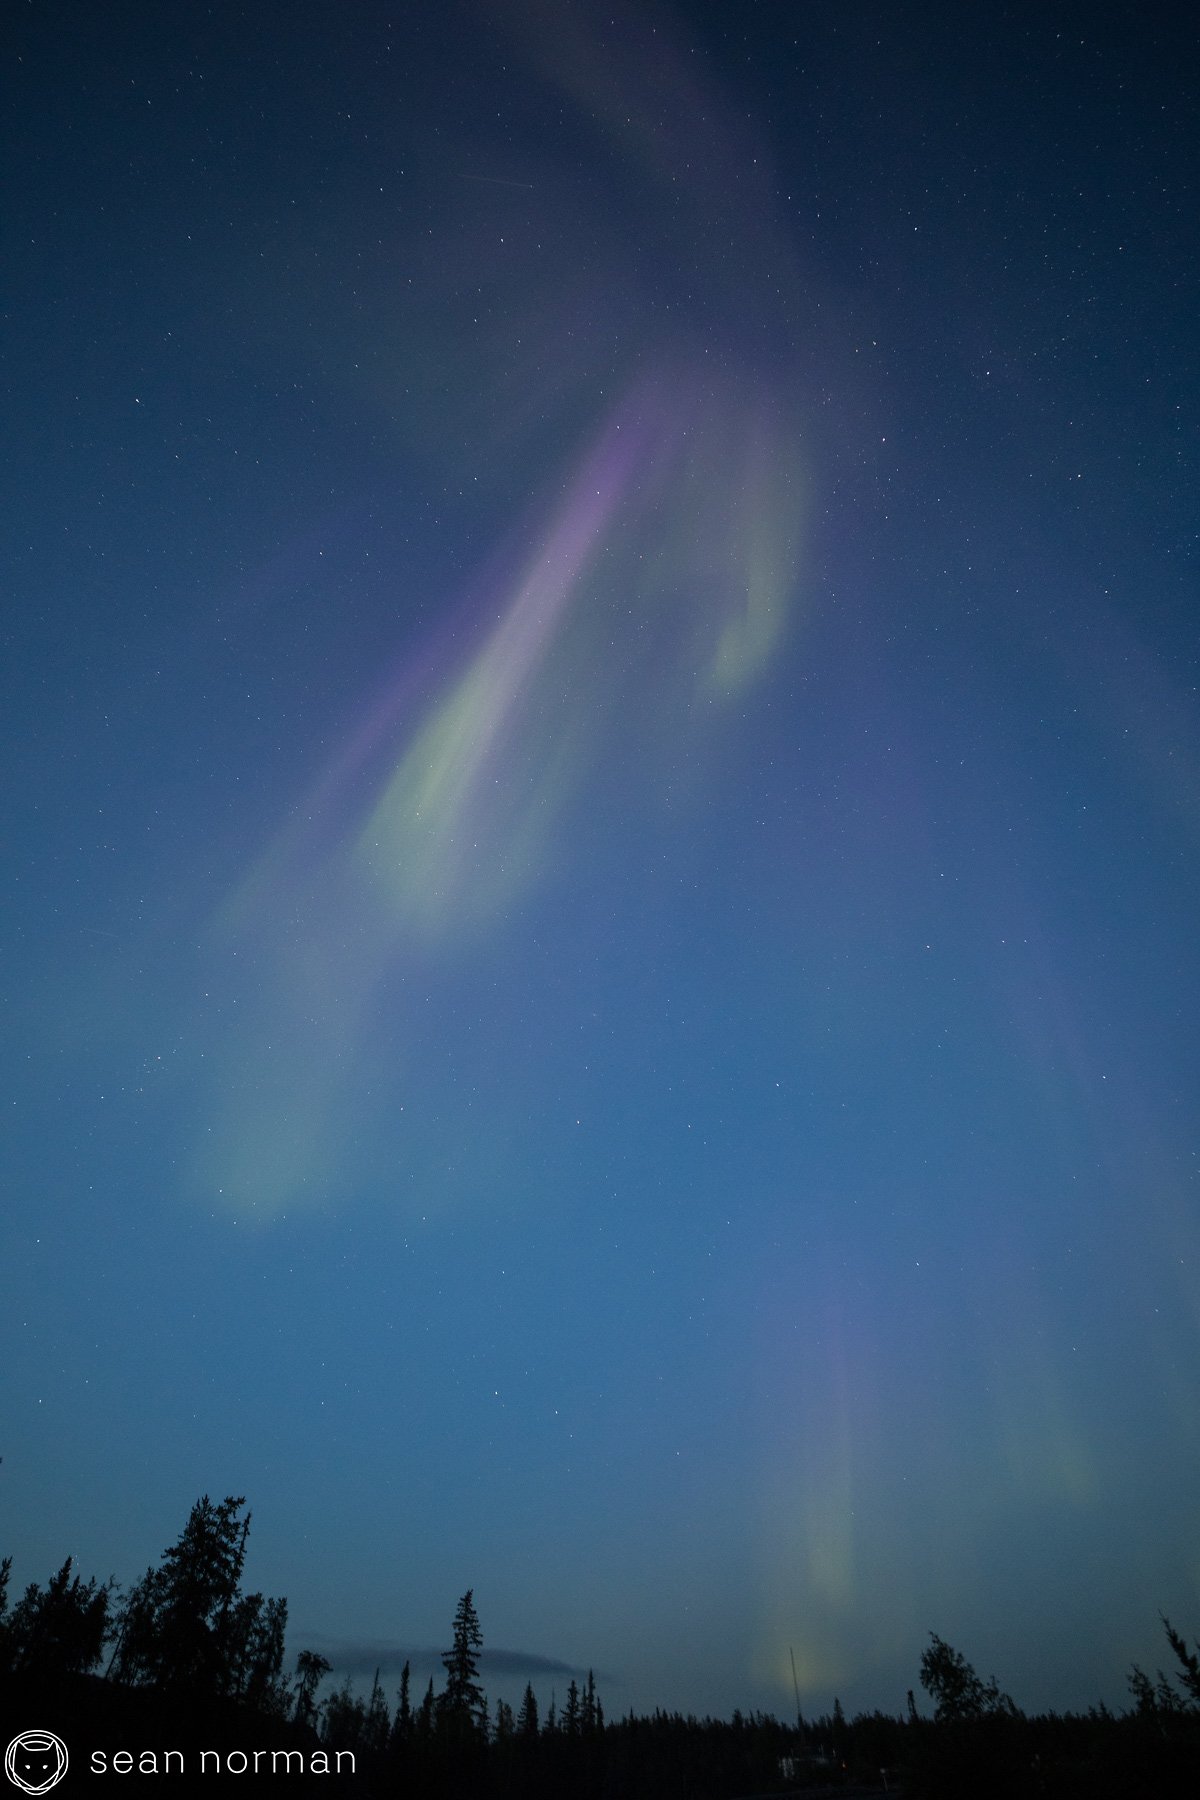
{"x":185,"y":1658}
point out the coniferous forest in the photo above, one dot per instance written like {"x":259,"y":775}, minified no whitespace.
{"x":185,"y":1675}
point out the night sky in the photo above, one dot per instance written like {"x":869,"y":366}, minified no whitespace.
{"x":601,"y":811}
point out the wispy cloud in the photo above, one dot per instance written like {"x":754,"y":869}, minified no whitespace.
{"x":353,"y":1656}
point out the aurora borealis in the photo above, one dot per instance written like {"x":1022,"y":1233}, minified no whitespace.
{"x":600,"y":948}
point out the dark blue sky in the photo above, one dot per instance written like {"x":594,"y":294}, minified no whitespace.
{"x":600,"y":656}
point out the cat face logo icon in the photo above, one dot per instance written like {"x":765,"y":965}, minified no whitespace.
{"x":36,"y":1761}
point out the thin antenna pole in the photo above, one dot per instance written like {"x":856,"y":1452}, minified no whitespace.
{"x":796,"y":1689}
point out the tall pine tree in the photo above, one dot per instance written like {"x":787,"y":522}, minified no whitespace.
{"x":462,"y":1701}
{"x":402,"y":1725}
{"x":187,"y":1626}
{"x":527,"y":1718}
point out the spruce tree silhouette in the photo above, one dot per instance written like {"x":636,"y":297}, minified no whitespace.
{"x":186,"y":1627}
{"x":58,"y":1630}
{"x":311,"y":1670}
{"x":402,"y":1724}
{"x":527,"y":1718}
{"x":462,"y":1703}
{"x":956,"y":1690}
{"x":1161,"y":1697}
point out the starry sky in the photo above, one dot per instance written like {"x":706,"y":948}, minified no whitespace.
{"x":601,"y":810}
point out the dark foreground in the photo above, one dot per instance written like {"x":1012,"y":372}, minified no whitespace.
{"x":138,"y":1741}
